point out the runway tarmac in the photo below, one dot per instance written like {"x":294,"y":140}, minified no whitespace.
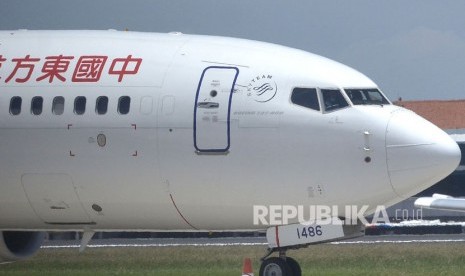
{"x":249,"y":241}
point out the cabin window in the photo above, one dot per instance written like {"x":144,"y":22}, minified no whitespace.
{"x":80,"y":105}
{"x":306,"y":97}
{"x":366,"y":97}
{"x":101,"y":106}
{"x":36,"y":105}
{"x":58,"y":105}
{"x":15,"y":105}
{"x":333,"y":99}
{"x":124,"y":103}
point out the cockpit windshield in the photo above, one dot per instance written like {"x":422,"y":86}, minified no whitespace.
{"x":333,"y":99}
{"x":366,"y":97}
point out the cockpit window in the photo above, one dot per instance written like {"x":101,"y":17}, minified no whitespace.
{"x":333,"y":99}
{"x":306,"y":97}
{"x":366,"y":97}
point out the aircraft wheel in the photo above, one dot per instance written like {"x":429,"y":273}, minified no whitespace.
{"x":275,"y":267}
{"x":294,"y":266}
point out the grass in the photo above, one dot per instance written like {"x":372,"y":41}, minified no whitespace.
{"x":325,"y":259}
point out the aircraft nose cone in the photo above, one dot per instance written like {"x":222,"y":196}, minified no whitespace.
{"x":419,"y":154}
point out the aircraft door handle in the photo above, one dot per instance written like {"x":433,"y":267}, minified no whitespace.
{"x":208,"y":105}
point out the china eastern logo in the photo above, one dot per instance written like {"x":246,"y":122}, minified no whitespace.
{"x":58,"y":68}
{"x":262,"y":88}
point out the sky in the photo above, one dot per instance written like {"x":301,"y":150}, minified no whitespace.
{"x":412,"y":49}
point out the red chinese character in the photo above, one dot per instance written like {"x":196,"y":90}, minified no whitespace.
{"x":2,"y":59}
{"x":23,"y":63}
{"x":89,"y":68}
{"x":54,"y":66}
{"x":123,"y":66}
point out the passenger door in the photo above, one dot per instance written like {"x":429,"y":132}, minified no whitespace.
{"x":212,"y":109}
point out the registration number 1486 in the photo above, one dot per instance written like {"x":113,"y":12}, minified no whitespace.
{"x":309,"y":231}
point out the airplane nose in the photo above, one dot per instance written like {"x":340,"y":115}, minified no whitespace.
{"x":419,"y":154}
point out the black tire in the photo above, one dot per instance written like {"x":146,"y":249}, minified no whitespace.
{"x":294,"y":266}
{"x":275,"y":267}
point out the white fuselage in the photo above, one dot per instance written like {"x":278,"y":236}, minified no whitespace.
{"x":211,"y":132}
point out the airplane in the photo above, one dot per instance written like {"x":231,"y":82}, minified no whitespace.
{"x":441,"y":202}
{"x":132,"y":131}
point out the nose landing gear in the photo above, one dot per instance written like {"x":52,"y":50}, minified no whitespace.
{"x":279,"y":266}
{"x":294,"y":236}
